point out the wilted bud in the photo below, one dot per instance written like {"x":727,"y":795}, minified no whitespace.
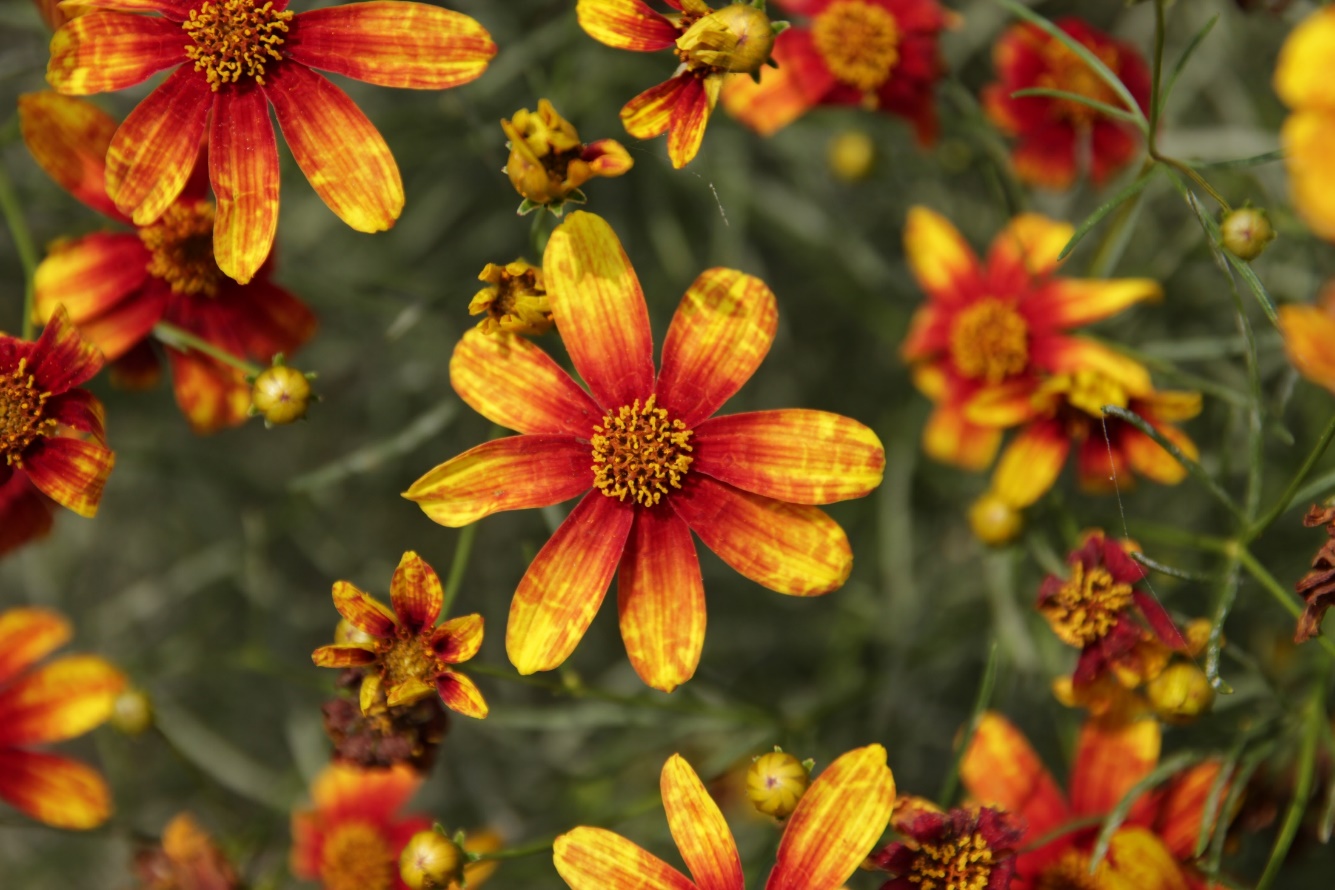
{"x":132,"y":712}
{"x":851,"y":155}
{"x":1181,"y":693}
{"x":735,"y":39}
{"x":548,"y":163}
{"x":776,"y":782}
{"x":515,"y":300}
{"x":431,"y":861}
{"x":994,"y":521}
{"x":280,"y":394}
{"x":1246,"y":232}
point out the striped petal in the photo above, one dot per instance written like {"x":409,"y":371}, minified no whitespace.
{"x":599,"y":310}
{"x":176,"y":10}
{"x":596,"y":859}
{"x":1072,"y":302}
{"x":458,"y":639}
{"x":62,"y":358}
{"x":720,"y":334}
{"x":243,"y":169}
{"x":80,"y":410}
{"x":107,"y":51}
{"x":60,"y":792}
{"x":951,"y":438}
{"x":837,"y":822}
{"x":459,"y":693}
{"x":690,"y":116}
{"x":698,"y":827}
{"x":392,"y":44}
{"x":795,"y":455}
{"x":155,"y":149}
{"x":68,"y":138}
{"x":58,"y":701}
{"x":415,"y":593}
{"x":90,"y":275}
{"x":363,"y":611}
{"x":1109,"y":761}
{"x":661,"y":600}
{"x":343,"y":656}
{"x":1002,"y":769}
{"x":625,"y":24}
{"x":514,"y":384}
{"x":1031,"y":463}
{"x":785,"y":93}
{"x":505,"y":474}
{"x":211,"y":395}
{"x":789,"y":548}
{"x":1027,"y":248}
{"x":938,"y":255}
{"x":129,"y":322}
{"x":340,"y":151}
{"x":565,"y":584}
{"x":28,"y":635}
{"x":650,"y":113}
{"x":70,"y":472}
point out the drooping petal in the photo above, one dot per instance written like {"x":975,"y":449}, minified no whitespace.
{"x":460,"y":693}
{"x":90,"y":275}
{"x":721,"y":332}
{"x":566,"y":582}
{"x":68,"y":138}
{"x":392,"y":44}
{"x":80,"y":410}
{"x":1072,"y":302}
{"x":1109,"y":761}
{"x":625,"y":24}
{"x":62,"y":359}
{"x":596,"y":859}
{"x":55,"y":790}
{"x":59,"y":700}
{"x":661,"y":600}
{"x":1031,"y":463}
{"x":128,"y":323}
{"x":415,"y":593}
{"x":342,"y":656}
{"x":70,"y":472}
{"x":837,"y":822}
{"x":600,"y":310}
{"x":107,"y":51}
{"x":25,"y":515}
{"x":1027,"y":247}
{"x":789,"y":548}
{"x":939,"y":257}
{"x":340,"y":151}
{"x":243,"y":168}
{"x":1000,"y":768}
{"x":650,"y":113}
{"x":949,"y":437}
{"x":513,"y":383}
{"x":458,"y":639}
{"x":27,"y":635}
{"x":698,"y":827}
{"x":363,"y":611}
{"x":690,"y":116}
{"x":514,"y":473}
{"x":1298,"y":79}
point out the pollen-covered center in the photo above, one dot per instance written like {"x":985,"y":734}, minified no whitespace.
{"x":960,"y":863}
{"x":990,"y":341}
{"x":1087,"y":605}
{"x":640,"y":453}
{"x":409,"y":657}
{"x":1068,"y":72}
{"x":356,"y":857}
{"x":180,"y":245}
{"x":21,"y":420}
{"x":1071,"y":872}
{"x":235,"y":38}
{"x":859,"y":41}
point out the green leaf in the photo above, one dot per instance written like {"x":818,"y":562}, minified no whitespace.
{"x":1106,"y":208}
{"x":1184,"y":58}
{"x":1111,"y":110}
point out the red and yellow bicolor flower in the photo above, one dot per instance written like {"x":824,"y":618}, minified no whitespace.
{"x":232,"y":60}
{"x":59,"y":700}
{"x":877,"y":54}
{"x":1149,"y":850}
{"x":1055,"y":133}
{"x":1000,"y":325}
{"x":1301,"y":80}
{"x":650,"y":462}
{"x":117,"y":285}
{"x":837,"y":822}
{"x":187,"y":858}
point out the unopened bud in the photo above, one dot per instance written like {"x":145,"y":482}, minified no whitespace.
{"x":280,"y":394}
{"x":994,"y":521}
{"x":431,"y":861}
{"x":1181,"y":693}
{"x":851,"y":154}
{"x":736,"y":38}
{"x":776,"y":782}
{"x":132,"y":712}
{"x":1246,"y":232}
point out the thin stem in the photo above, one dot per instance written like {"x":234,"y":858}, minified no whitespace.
{"x":1276,"y":590}
{"x":462,"y":548}
{"x":1314,"y":717}
{"x":1196,"y":178}
{"x":1156,"y":84}
{"x":1282,"y":504}
{"x":981,"y":701}
{"x":517,"y":852}
{"x":18,"y":229}
{"x":180,"y":338}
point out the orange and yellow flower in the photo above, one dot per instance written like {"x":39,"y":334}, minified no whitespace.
{"x":877,"y":54}
{"x":413,"y":654}
{"x":353,"y":837}
{"x":1301,"y":80}
{"x":62,"y":699}
{"x":1309,"y":337}
{"x":1055,"y":133}
{"x":836,"y":824}
{"x":25,"y":513}
{"x":1147,"y":852}
{"x":548,"y":163}
{"x":118,"y":285}
{"x":999,"y":326}
{"x":187,"y":859}
{"x":232,"y":60}
{"x":658,"y":465}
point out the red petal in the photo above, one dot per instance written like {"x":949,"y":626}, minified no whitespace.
{"x":28,"y":634}
{"x":243,"y":167}
{"x":61,"y":792}
{"x":459,"y":693}
{"x":1109,"y":761}
{"x":90,"y":275}
{"x":102,"y":52}
{"x":128,"y":323}
{"x":71,"y":472}
{"x":363,"y":611}
{"x":416,"y":593}
{"x":25,"y":515}
{"x":785,"y":93}
{"x":59,"y":700}
{"x":68,"y":138}
{"x":80,"y":410}
{"x":1002,"y":769}
{"x":513,"y":383}
{"x":661,"y":600}
{"x":690,"y":116}
{"x":650,"y":113}
{"x":210,"y":394}
{"x":61,"y":358}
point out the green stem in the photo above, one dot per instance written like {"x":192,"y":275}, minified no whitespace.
{"x":180,"y":338}
{"x":1282,"y":504}
{"x":18,"y":229}
{"x":517,"y":852}
{"x":1302,"y":787}
{"x":1196,"y":178}
{"x":1156,"y":85}
{"x":462,"y":548}
{"x":981,"y":701}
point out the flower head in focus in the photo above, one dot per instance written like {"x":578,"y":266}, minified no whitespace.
{"x":232,"y":60}
{"x":514,"y":300}
{"x":966,"y":848}
{"x":187,"y":859}
{"x":1302,"y":80}
{"x":836,"y":824}
{"x":548,"y":164}
{"x":650,"y":462}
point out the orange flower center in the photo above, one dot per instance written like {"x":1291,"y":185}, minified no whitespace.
{"x":21,"y":420}
{"x":235,"y":38}
{"x":859,"y":41}
{"x":639,"y":452}
{"x":1086,"y":606}
{"x":409,"y":657}
{"x":356,"y":857}
{"x":1071,"y":872}
{"x":962,"y":863}
{"x":181,"y":245}
{"x":990,"y":341}
{"x":1067,"y":71}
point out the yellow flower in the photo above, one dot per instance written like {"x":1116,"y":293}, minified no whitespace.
{"x":1303,"y":82}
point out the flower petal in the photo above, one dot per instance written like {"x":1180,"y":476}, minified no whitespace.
{"x":566,"y":582}
{"x":342,"y":656}
{"x":62,"y":358}
{"x":938,"y":255}
{"x":128,"y":323}
{"x":69,"y":138}
{"x":720,"y":334}
{"x":460,"y":693}
{"x":1149,"y":458}
{"x":375,"y":794}
{"x":27,"y":635}
{"x":1072,"y":302}
{"x":837,"y":822}
{"x":243,"y":168}
{"x":789,"y":548}
{"x":785,"y":93}
{"x":596,"y":859}
{"x":1301,"y":59}
{"x":90,"y":275}
{"x":61,"y":792}
{"x":210,"y":394}
{"x":25,"y":515}
{"x":340,"y":151}
{"x":650,"y":113}
{"x":951,"y":438}
{"x":1308,"y":337}
{"x":102,"y":52}
{"x":392,"y":44}
{"x":1306,"y":138}
{"x":1027,"y":248}
{"x":60,"y":700}
{"x":415,"y":593}
{"x":514,"y":473}
{"x":1109,"y":761}
{"x":1002,"y":769}
{"x":1139,"y":861}
{"x":406,"y":692}
{"x":458,"y":639}
{"x":80,"y":410}
{"x":1070,"y":355}
{"x":70,"y":472}
{"x":690,"y":116}
{"x":1031,"y":463}
{"x":625,"y":24}
{"x":1181,"y":810}
{"x":363,"y":611}
{"x":661,"y":600}
{"x":698,"y":827}
{"x":600,"y":310}
{"x":513,"y":383}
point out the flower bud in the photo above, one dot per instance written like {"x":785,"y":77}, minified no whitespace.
{"x":431,"y":861}
{"x":736,"y":39}
{"x":280,"y":394}
{"x":548,"y":164}
{"x":1246,"y":232}
{"x":776,"y":782}
{"x":994,"y":521}
{"x":132,"y":712}
{"x":851,"y":154}
{"x":1181,"y":693}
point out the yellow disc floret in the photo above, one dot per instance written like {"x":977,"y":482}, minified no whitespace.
{"x":1086,"y":605}
{"x":989,"y":341}
{"x":961,"y":863}
{"x":180,"y":246}
{"x":21,"y":408}
{"x":639,"y":453}
{"x":356,"y":857}
{"x":859,"y":42}
{"x":235,"y":39}
{"x":1068,"y":72}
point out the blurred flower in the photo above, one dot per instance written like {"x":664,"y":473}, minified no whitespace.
{"x":709,"y":45}
{"x":967,"y":848}
{"x":413,"y":654}
{"x":237,"y":57}
{"x":548,"y":164}
{"x":1302,"y":82}
{"x":281,"y":394}
{"x":1317,"y":587}
{"x":1055,"y":135}
{"x":1000,"y":326}
{"x":514,"y":300}
{"x":1180,"y":693}
{"x":994,"y":521}
{"x":187,"y":859}
{"x":661,"y":468}
{"x":62,"y":699}
{"x":50,"y":432}
{"x":118,"y":285}
{"x":25,"y":513}
{"x":776,"y":782}
{"x":851,"y":154}
{"x":1309,"y":337}
{"x":1150,"y":848}
{"x":834,"y":827}
{"x":1246,"y":232}
{"x":426,"y":858}
{"x":877,"y":54}
{"x":354,"y":836}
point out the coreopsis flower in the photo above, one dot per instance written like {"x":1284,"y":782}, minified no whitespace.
{"x":648,"y":459}
{"x":59,"y":700}
{"x":25,"y":513}
{"x":1317,"y":587}
{"x":1000,"y":326}
{"x":1309,"y":337}
{"x":412,"y":656}
{"x":118,"y":285}
{"x":353,"y":837}
{"x":50,"y":432}
{"x":1148,"y":851}
{"x":548,"y":164}
{"x":235,"y":58}
{"x":834,"y":827}
{"x":710,"y":44}
{"x":186,"y":859}
{"x":1055,"y":134}
{"x":514,"y":300}
{"x":1301,"y":82}
{"x":877,"y":54}
{"x":967,"y":848}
